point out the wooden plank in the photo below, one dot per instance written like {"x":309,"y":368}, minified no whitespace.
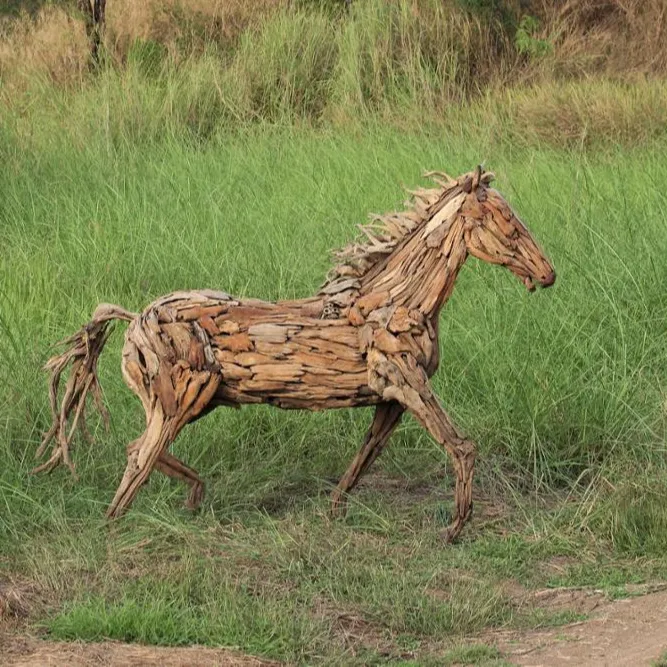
{"x":449,"y":210}
{"x":329,"y":347}
{"x":275,"y":350}
{"x":286,"y":372}
{"x":340,"y":381}
{"x":387,"y":343}
{"x":264,"y":387}
{"x":234,"y":372}
{"x":239,"y":342}
{"x":224,"y":356}
{"x":197,"y":312}
{"x":270,"y":333}
{"x":372,"y":301}
{"x":253,"y":358}
{"x":322,"y":360}
{"x":355,"y":317}
{"x":209,"y":325}
{"x":227,"y":326}
{"x":250,"y":314}
{"x":164,"y":390}
{"x":401,"y":320}
{"x":196,"y":357}
{"x":180,"y":336}
{"x":345,"y":334}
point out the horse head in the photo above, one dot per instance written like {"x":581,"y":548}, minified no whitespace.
{"x":495,"y":234}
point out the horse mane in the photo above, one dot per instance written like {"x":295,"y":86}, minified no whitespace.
{"x":384,"y":233}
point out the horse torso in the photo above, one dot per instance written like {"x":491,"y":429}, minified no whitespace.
{"x":286,"y":355}
{"x":280,"y":353}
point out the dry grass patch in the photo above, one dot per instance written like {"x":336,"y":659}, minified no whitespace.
{"x":53,"y":45}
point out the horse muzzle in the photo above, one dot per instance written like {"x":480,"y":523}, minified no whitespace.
{"x":549,"y":280}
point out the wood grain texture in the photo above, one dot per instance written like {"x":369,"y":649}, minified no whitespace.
{"x":368,"y":337}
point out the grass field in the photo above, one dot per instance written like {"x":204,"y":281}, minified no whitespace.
{"x":564,"y":390}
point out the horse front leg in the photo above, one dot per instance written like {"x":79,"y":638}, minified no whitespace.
{"x":400,"y":378}
{"x":385,"y":420}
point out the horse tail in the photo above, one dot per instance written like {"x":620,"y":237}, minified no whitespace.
{"x":83,"y":351}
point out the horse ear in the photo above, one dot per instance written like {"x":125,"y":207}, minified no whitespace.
{"x":477,"y":176}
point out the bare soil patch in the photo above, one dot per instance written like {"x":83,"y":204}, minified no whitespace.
{"x":32,"y":652}
{"x":632,"y":631}
{"x":576,"y":600}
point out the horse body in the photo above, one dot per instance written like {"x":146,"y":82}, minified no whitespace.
{"x":256,"y":352}
{"x":368,"y":337}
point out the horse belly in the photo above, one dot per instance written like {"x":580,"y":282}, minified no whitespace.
{"x":303,"y":369}
{"x":349,"y":391}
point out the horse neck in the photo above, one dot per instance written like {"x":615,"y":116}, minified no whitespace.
{"x":420,"y":276}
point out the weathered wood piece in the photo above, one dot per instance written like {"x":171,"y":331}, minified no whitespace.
{"x":368,"y":337}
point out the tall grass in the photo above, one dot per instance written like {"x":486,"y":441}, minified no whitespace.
{"x":558,"y":385}
{"x":212,"y":66}
{"x":563,"y":390}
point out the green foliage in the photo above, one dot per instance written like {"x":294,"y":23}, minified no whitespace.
{"x":487,"y":7}
{"x":525,"y":41}
{"x":15,"y":7}
{"x":284,"y":73}
{"x":555,"y":411}
{"x":333,"y":6}
{"x":153,"y":613}
{"x":473,"y":654}
{"x":501,"y":15}
{"x":148,"y":57}
{"x":304,"y":64}
{"x":219,"y":172}
{"x":661,"y":661}
{"x":636,"y":518}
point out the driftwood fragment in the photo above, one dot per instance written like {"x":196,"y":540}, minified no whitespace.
{"x":368,"y":337}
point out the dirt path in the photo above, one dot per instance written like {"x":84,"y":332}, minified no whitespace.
{"x":630,"y":632}
{"x":31,"y":652}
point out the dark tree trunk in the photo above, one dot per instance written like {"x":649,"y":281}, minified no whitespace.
{"x":94,"y":13}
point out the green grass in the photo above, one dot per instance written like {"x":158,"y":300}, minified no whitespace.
{"x":474,"y":654}
{"x":661,"y":661}
{"x":564,"y":390}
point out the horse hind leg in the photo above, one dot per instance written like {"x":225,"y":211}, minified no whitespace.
{"x":385,"y":420}
{"x":168,"y":410}
{"x":142,"y":454}
{"x":173,"y":467}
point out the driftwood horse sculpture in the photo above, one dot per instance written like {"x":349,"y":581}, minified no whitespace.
{"x":368,"y":337}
